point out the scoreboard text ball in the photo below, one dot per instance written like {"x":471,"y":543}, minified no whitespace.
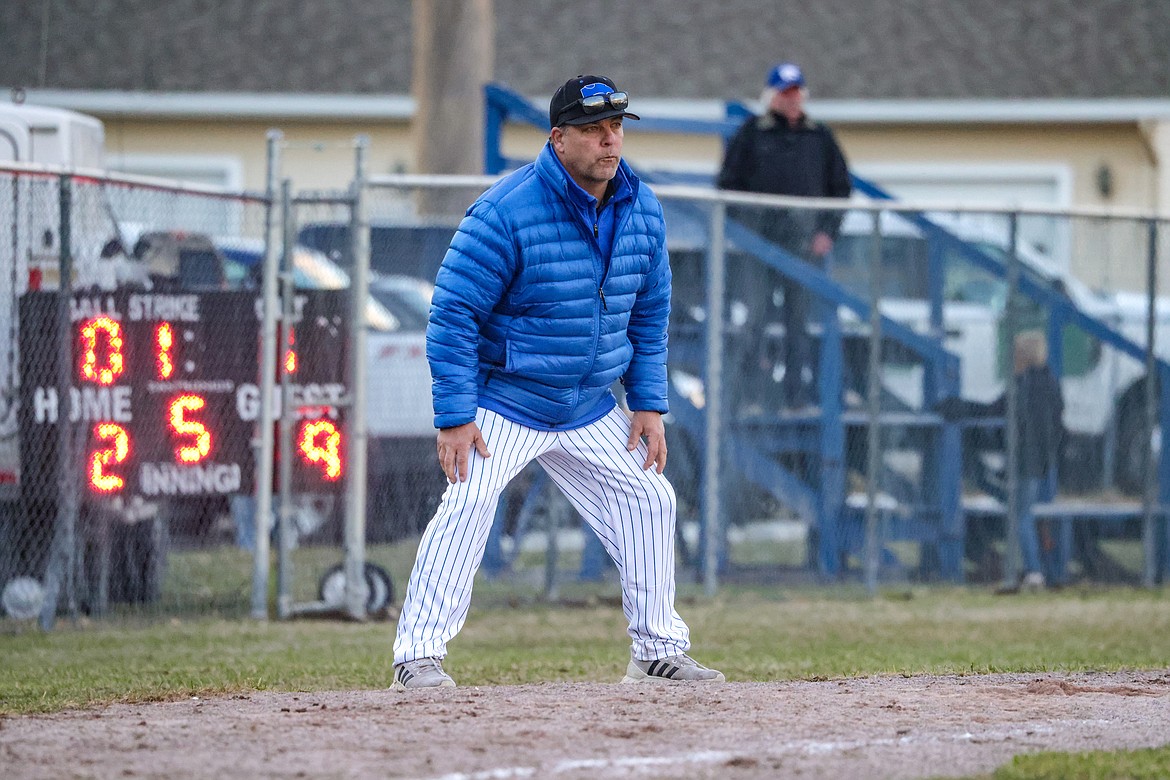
{"x":164,"y":391}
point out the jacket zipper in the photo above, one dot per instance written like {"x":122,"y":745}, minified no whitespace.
{"x":601,"y":294}
{"x":600,"y":290}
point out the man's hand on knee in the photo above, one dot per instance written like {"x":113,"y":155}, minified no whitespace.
{"x":650,"y":426}
{"x":454,"y":445}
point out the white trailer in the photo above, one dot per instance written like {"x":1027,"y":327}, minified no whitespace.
{"x":37,"y":141}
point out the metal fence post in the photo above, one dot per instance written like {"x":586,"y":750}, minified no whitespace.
{"x":716,"y":262}
{"x":288,"y":412}
{"x":1150,"y":481}
{"x":62,"y":567}
{"x":355,"y":421}
{"x":1011,"y":571}
{"x":268,"y":337}
{"x":873,"y":431}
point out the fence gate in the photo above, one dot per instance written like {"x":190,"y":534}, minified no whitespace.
{"x":314,"y":446}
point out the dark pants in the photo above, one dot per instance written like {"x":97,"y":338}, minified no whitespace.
{"x":755,"y":353}
{"x":770,"y":297}
{"x":797,"y":384}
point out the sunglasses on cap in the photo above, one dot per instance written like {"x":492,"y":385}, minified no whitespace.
{"x":593,"y":104}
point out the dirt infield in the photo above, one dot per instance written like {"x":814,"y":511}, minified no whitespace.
{"x":879,"y":727}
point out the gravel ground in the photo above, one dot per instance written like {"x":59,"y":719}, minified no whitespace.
{"x":874,"y":727}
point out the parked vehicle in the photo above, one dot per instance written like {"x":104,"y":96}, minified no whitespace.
{"x":1103,"y":388}
{"x":404,"y":481}
{"x":38,"y":135}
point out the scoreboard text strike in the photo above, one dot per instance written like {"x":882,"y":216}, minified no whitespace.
{"x":165,"y":391}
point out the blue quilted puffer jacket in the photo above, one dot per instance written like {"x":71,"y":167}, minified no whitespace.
{"x":527,"y":318}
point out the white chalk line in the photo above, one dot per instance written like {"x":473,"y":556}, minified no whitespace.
{"x":805,"y":746}
{"x":574,"y":765}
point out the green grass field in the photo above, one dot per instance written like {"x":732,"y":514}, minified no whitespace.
{"x":751,"y":633}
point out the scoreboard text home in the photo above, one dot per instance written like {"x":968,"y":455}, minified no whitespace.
{"x":164,"y":393}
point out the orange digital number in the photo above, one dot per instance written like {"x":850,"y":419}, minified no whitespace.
{"x":164,"y":340}
{"x":101,"y":478}
{"x":290,"y":357}
{"x":198,"y":437}
{"x":91,"y":370}
{"x":320,"y":444}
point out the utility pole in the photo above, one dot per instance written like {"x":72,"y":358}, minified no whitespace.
{"x":454,"y":56}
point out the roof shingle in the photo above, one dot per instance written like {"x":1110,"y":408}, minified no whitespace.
{"x":881,"y":49}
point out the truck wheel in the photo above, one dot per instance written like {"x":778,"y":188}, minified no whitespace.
{"x":1135,"y":449}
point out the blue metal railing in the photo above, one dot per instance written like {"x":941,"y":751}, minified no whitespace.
{"x":504,"y":105}
{"x":751,"y":454}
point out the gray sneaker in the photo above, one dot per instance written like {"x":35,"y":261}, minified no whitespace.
{"x":421,"y":673}
{"x":676,"y":668}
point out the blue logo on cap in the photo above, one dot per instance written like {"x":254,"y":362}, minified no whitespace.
{"x":596,"y":88}
{"x":784,"y":75}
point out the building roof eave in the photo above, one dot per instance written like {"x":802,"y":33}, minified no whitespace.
{"x":391,"y":107}
{"x":1010,"y":111}
{"x":226,"y":105}
{"x":939,"y":112}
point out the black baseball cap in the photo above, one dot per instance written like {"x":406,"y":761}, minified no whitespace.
{"x":568,"y":106}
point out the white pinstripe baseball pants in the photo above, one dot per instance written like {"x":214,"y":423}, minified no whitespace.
{"x":632,"y":511}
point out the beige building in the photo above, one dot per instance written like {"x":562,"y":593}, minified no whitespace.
{"x":1043,"y":152}
{"x":1055,"y":104}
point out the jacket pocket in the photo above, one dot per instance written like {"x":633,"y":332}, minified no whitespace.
{"x":516,"y":361}
{"x":550,"y":366}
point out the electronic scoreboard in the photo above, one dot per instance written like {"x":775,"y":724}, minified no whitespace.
{"x":164,"y":395}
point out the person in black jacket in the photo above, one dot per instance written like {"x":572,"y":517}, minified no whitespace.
{"x":1039,"y":432}
{"x":1039,"y":429}
{"x":783,"y":152}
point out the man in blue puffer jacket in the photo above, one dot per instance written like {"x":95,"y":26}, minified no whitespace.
{"x":556,"y":284}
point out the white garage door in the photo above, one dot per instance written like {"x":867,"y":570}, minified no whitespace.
{"x":1002,"y":185}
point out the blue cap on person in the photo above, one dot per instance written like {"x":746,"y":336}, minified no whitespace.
{"x":785,"y":75}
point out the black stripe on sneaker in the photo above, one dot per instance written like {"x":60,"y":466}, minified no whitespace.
{"x":404,"y":675}
{"x":662,"y":669}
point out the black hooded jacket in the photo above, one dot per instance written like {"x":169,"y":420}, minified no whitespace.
{"x":769,"y":155}
{"x":1039,"y":413}
{"x":1039,"y":409}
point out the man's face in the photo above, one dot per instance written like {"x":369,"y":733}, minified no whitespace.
{"x":590,"y":153}
{"x":789,"y":103}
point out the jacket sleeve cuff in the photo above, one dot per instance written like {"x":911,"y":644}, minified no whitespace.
{"x":453,"y":420}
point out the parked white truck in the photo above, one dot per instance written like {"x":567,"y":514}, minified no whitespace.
{"x":1103,"y":388}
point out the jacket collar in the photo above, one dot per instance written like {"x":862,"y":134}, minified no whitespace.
{"x":771,"y":119}
{"x":550,"y":169}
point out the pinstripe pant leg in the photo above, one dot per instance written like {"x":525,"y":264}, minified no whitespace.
{"x":438,"y":594}
{"x":633,"y":512}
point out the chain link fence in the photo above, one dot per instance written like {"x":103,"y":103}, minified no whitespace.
{"x":886,"y":459}
{"x":125,"y":433}
{"x":848,"y":416}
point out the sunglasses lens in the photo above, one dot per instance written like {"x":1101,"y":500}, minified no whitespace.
{"x":593,"y":104}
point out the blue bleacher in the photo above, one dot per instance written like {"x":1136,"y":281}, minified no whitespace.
{"x":935,"y":513}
